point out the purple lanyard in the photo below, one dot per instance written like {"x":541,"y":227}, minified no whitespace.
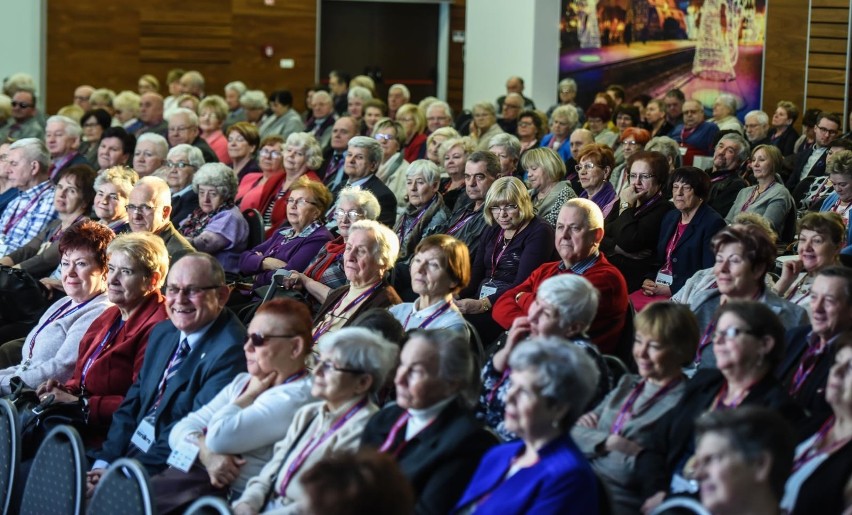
{"x":626,"y":412}
{"x":402,"y":232}
{"x":57,"y":315}
{"x":806,"y":366}
{"x":114,"y":329}
{"x":323,"y":328}
{"x":16,"y":217}
{"x":647,"y":205}
{"x":458,"y":225}
{"x":312,"y":445}
{"x":754,"y":196}
{"x":431,"y":318}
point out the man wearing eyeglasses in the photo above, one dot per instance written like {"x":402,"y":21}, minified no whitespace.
{"x":511,"y":109}
{"x":25,"y":124}
{"x":811,"y":164}
{"x":148,"y":209}
{"x":189,"y":359}
{"x":183,"y":128}
{"x":82,"y":96}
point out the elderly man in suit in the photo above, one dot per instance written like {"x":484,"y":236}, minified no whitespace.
{"x":811,"y":163}
{"x":189,"y":359}
{"x":363,"y":157}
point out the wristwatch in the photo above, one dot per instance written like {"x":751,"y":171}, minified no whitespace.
{"x":625,"y":205}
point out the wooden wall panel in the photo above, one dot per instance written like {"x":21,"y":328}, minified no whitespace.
{"x":110,"y":44}
{"x":786,"y":43}
{"x":455,"y":75}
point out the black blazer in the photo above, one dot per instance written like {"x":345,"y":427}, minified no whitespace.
{"x":673,"y":438}
{"x":693,"y":252}
{"x":183,"y":206}
{"x":817,"y":170}
{"x":386,"y":198}
{"x":811,"y":396}
{"x":440,"y":460}
{"x":211,"y":365}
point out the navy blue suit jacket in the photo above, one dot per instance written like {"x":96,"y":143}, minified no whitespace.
{"x":216,"y":359}
{"x":817,"y":170}
{"x":692,"y":252}
{"x":811,"y":396}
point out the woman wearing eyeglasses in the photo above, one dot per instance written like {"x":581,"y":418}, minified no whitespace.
{"x":236,"y":431}
{"x":516,"y":243}
{"x":630,"y":241}
{"x":256,"y":189}
{"x":352,"y":364}
{"x":111,"y":352}
{"x":294,"y":246}
{"x":633,"y":140}
{"x":302,"y":155}
{"x":326,"y":272}
{"x":595,"y":163}
{"x":748,"y":343}
{"x":217,"y":226}
{"x":182,"y":162}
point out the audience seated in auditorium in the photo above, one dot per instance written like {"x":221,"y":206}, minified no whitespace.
{"x":693,"y":133}
{"x":149,"y":206}
{"x":767,"y":197}
{"x":182,"y":162}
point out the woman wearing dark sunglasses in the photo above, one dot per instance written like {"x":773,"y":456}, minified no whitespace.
{"x":235,"y":432}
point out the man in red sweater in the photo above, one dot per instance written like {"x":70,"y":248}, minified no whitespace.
{"x":579,"y":231}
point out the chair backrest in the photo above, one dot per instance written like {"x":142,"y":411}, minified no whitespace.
{"x":680,"y":506}
{"x":124,"y":489}
{"x":255,"y":223}
{"x":10,"y":451}
{"x":624,"y":348}
{"x":616,"y":367}
{"x":208,"y":505}
{"x":57,"y":480}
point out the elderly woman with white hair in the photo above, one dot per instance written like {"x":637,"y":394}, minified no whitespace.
{"x":326,"y":273}
{"x":183,"y":161}
{"x":565,"y":307}
{"x":484,"y":125}
{"x":543,"y":471}
{"x":426,"y":211}
{"x":430,"y":430}
{"x":545,"y":171}
{"x":352,"y":364}
{"x":112,"y":190}
{"x":356,"y":98}
{"x":563,"y":121}
{"x":453,"y":155}
{"x":302,"y":155}
{"x":254,"y":104}
{"x":668,"y":147}
{"x":150,"y":153}
{"x":217,"y":226}
{"x":725,"y":113}
{"x":434,"y":141}
{"x":507,"y":147}
{"x":371,"y":250}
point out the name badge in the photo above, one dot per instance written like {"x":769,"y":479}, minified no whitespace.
{"x":682,"y":151}
{"x":663,"y":278}
{"x":184,"y":456}
{"x":144,"y":436}
{"x":486,"y":290}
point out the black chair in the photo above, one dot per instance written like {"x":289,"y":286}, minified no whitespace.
{"x":255,"y":223}
{"x":124,"y":489}
{"x":208,"y":505}
{"x":605,"y":505}
{"x":680,"y":506}
{"x":616,"y":367}
{"x":10,"y":451}
{"x":624,"y":347}
{"x":57,"y":479}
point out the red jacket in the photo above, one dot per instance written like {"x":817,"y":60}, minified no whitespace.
{"x":612,"y":308}
{"x":117,"y":366}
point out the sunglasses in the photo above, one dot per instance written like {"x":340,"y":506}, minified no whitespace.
{"x":24,"y":105}
{"x":259,"y":340}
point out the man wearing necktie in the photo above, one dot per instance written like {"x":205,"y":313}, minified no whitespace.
{"x":189,"y":359}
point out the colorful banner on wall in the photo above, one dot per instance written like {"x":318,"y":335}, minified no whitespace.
{"x":702,"y":47}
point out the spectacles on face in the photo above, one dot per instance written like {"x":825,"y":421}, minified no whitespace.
{"x":90,"y":125}
{"x":508,"y":208}
{"x":731,"y":333}
{"x":586,"y":166}
{"x":259,"y":340}
{"x":22,"y":105}
{"x":316,"y":364}
{"x":178,"y":164}
{"x":81,"y":98}
{"x":352,"y":214}
{"x":383,"y":137}
{"x":299,"y":202}
{"x":141,"y":208}
{"x":525,"y":124}
{"x":630,"y":143}
{"x":830,"y":132}
{"x":640,"y":177}
{"x":270,"y":153}
{"x":190,"y":291}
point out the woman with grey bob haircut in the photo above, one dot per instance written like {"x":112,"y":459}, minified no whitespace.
{"x":359,"y":349}
{"x":217,"y":226}
{"x":456,"y":361}
{"x":668,"y":147}
{"x":575,"y":299}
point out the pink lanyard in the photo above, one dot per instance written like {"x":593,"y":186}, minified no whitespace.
{"x":814,"y":449}
{"x":323,"y":328}
{"x":670,"y":248}
{"x":111,"y":335}
{"x":626,"y":412}
{"x":754,"y":196}
{"x":402,"y":232}
{"x":58,"y":315}
{"x":803,"y":372}
{"x":458,"y":225}
{"x":496,"y":261}
{"x":312,"y":445}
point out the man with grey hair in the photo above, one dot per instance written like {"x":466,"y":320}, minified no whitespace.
{"x":398,"y":95}
{"x":24,"y":123}
{"x":729,"y":158}
{"x":183,"y":128}
{"x":439,"y":114}
{"x":32,"y":210}
{"x":149,"y":208}
{"x":192,"y":83}
{"x":62,"y":137}
{"x":363,"y":157}
{"x":233,"y":91}
{"x":467,"y":222}
{"x":579,"y":232}
{"x":757,"y":128}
